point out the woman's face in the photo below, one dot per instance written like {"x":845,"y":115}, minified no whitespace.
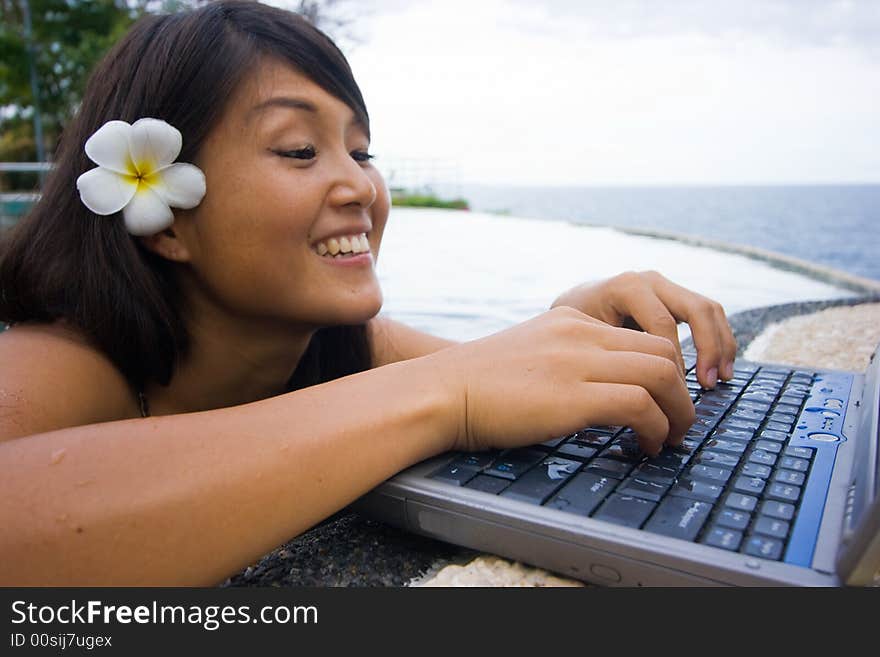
{"x":289,"y":181}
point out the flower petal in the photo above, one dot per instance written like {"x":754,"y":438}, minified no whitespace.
{"x":154,"y":144}
{"x":104,"y":192}
{"x":108,"y":147}
{"x":181,"y":185}
{"x":147,"y":214}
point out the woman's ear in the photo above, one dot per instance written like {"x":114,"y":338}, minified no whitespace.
{"x":167,"y":244}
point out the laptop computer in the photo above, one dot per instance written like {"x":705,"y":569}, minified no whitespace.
{"x":774,"y":484}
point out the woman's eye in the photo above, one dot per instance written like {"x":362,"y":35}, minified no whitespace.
{"x":362,"y":156}
{"x":306,"y":153}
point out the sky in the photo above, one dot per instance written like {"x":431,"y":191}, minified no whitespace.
{"x":622,"y":92}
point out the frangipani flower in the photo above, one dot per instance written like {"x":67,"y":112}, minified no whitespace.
{"x":136,"y":174}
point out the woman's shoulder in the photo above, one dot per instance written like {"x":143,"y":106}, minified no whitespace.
{"x":51,"y":377}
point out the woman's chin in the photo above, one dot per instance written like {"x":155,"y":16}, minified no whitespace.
{"x":357,"y":311}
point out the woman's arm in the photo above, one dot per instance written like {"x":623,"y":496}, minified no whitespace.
{"x":189,"y":499}
{"x":391,"y":341}
{"x":645,"y":300}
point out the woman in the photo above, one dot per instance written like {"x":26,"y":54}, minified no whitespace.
{"x":183,"y":392}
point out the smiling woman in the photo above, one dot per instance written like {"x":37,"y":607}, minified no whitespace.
{"x":180,"y":394}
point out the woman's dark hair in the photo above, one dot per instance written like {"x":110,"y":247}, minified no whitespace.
{"x":63,"y":261}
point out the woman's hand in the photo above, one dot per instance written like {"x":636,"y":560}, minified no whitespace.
{"x":656,"y":305}
{"x":558,"y":373}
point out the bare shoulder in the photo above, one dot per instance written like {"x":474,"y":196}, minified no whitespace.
{"x":52,"y":378}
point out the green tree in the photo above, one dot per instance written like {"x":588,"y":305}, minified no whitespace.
{"x":67,"y":38}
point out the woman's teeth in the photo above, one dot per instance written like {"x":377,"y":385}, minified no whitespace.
{"x":348,"y":245}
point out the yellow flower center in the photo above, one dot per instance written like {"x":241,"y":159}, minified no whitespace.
{"x":142,"y":174}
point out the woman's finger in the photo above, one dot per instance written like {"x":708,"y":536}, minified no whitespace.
{"x":623,"y":404}
{"x":612,"y":338}
{"x":659,"y":376}
{"x":728,"y":344}
{"x":649,"y":311}
{"x":700,"y":313}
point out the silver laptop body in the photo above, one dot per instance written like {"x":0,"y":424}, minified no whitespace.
{"x":837,"y":528}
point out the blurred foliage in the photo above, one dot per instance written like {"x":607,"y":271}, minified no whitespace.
{"x":68,"y":37}
{"x":427,"y":201}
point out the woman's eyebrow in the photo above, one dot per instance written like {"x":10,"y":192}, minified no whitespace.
{"x":284,"y":101}
{"x":300,"y":104}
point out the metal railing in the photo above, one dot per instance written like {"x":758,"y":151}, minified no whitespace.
{"x":15,"y":204}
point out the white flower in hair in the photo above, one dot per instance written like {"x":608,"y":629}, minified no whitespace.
{"x":136,"y":173}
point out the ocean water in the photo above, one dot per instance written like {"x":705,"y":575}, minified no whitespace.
{"x":463,"y":275}
{"x":836,"y":226}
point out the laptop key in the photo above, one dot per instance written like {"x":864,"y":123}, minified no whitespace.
{"x":793,"y":463}
{"x":758,"y":406}
{"x":733,"y":519}
{"x":762,"y":457}
{"x":799,"y":452}
{"x":780,"y":416}
{"x":610,"y":467}
{"x":708,"y":473}
{"x":643,"y":488}
{"x":723,"y":537}
{"x":605,"y":429}
{"x":769,"y":434}
{"x":739,"y":423}
{"x":625,"y":447}
{"x":784,"y":492}
{"x":697,"y":490}
{"x":711,"y":401}
{"x":488,"y":484}
{"x":749,"y":485}
{"x":793,"y":409}
{"x":704,"y":410}
{"x":688,"y":446}
{"x":477,"y":460}
{"x":577,"y":450}
{"x":625,"y":510}
{"x":513,"y":463}
{"x":741,"y":502}
{"x":756,"y":470}
{"x":778,"y":426}
{"x":771,"y":527}
{"x":717,"y":459}
{"x":727,"y":446}
{"x":776,"y":509}
{"x":669,"y":458}
{"x":747,"y":415}
{"x":592,"y":438}
{"x":652,"y":472}
{"x":732,"y":434}
{"x":763,"y":546}
{"x":679,"y":517}
{"x":541,"y":482}
{"x":582,"y":493}
{"x":789,"y":477}
{"x":454,"y":474}
{"x":769,"y":446}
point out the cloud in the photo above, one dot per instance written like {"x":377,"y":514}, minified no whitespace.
{"x":785,"y":22}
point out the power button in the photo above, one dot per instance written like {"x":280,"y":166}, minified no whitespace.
{"x":605,"y":572}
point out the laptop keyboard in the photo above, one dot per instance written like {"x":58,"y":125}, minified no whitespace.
{"x":734,"y":483}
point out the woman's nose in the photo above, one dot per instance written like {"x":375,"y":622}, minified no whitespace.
{"x":352,"y":185}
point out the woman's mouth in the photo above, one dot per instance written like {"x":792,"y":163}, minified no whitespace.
{"x":343,"y":247}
